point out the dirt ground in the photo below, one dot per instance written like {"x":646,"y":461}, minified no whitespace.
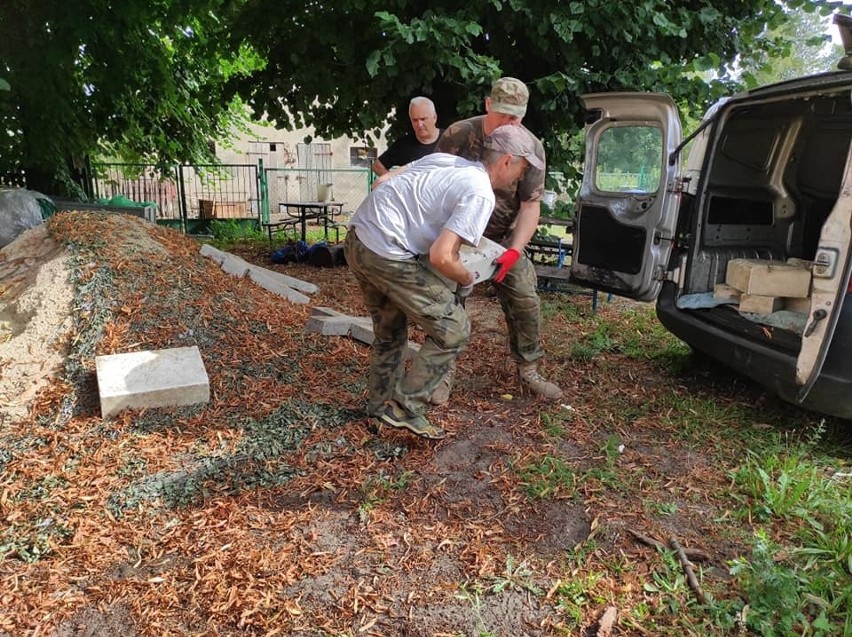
{"x":278,"y":508}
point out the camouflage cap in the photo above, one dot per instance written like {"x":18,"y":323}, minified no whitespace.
{"x":516,"y":141}
{"x":509,"y":96}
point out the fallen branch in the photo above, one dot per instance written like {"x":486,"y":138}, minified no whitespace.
{"x":687,"y":568}
{"x":694,"y":555}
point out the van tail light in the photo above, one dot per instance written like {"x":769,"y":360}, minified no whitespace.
{"x":849,"y":287}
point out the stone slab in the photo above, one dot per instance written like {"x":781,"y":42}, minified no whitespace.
{"x":329,"y":325}
{"x":152,"y":378}
{"x":213,"y":253}
{"x":758,"y":304}
{"x":479,"y":260}
{"x":275,"y":285}
{"x":768,"y":278}
{"x":289,"y":281}
{"x":235,"y":266}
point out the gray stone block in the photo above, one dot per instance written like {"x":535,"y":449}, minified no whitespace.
{"x":213,"y":253}
{"x":276,"y":286}
{"x":152,"y":378}
{"x":235,"y":266}
{"x":329,"y":325}
{"x":289,"y":281}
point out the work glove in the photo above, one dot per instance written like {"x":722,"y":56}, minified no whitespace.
{"x":505,"y":261}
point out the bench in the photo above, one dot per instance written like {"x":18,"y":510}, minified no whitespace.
{"x":556,"y":279}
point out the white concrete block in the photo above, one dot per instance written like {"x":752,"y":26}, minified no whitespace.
{"x":289,"y":281}
{"x":213,"y":253}
{"x":325,"y":311}
{"x":152,"y":378}
{"x":235,"y":266}
{"x":329,"y":325}
{"x":768,"y":278}
{"x":362,"y":332}
{"x":275,"y":285}
{"x":479,"y":260}
{"x":759,"y":304}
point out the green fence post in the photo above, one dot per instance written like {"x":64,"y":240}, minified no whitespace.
{"x":263,"y":190}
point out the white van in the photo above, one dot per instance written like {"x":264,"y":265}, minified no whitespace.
{"x":767,"y":187}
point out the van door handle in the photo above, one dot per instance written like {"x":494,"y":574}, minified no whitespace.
{"x":817,"y":317}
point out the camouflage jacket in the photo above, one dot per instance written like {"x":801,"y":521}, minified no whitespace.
{"x":465,"y":139}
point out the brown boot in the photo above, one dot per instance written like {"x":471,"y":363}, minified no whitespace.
{"x":532,"y":381}
{"x":442,"y":392}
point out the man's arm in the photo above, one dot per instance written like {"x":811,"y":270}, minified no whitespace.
{"x":444,"y":256}
{"x":525,"y":225}
{"x":388,"y":174}
{"x":379,"y":168}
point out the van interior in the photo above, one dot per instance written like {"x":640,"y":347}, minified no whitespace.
{"x":769,"y":183}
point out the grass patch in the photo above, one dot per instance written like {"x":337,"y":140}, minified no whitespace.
{"x":798,"y":579}
{"x":377,"y":489}
{"x":547,"y":477}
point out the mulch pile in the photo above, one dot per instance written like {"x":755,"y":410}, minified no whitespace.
{"x":277,"y":508}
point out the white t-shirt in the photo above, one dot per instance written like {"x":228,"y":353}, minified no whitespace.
{"x":404,"y":215}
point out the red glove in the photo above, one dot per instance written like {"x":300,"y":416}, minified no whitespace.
{"x":506,"y":261}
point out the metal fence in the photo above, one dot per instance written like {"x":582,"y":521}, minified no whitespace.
{"x":190,"y":197}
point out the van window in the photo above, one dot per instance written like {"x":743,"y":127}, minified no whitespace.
{"x":629,"y":159}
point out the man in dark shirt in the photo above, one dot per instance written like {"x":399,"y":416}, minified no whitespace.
{"x":421,"y":112}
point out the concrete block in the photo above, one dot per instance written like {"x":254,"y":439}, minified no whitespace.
{"x":325,"y":311}
{"x":329,"y":325}
{"x":768,"y":278}
{"x":289,"y":281}
{"x":362,"y":332}
{"x":158,"y":378}
{"x":235,"y":266}
{"x":213,"y":253}
{"x":479,"y":260}
{"x":725,"y":292}
{"x":275,"y":285}
{"x":759,"y":304}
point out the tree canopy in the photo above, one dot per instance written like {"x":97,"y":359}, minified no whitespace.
{"x":139,"y":79}
{"x":155,"y":80}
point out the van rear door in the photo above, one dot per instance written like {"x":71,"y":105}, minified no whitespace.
{"x":627,"y":205}
{"x":829,"y":285}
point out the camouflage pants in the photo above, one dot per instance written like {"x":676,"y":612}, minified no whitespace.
{"x":522,"y":308}
{"x":396,"y":292}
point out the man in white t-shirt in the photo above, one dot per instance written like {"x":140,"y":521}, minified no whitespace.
{"x":411,"y":225}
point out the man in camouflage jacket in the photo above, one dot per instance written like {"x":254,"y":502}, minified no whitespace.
{"x":513,"y":223}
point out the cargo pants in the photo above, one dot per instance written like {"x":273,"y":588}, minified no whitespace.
{"x":518,"y":295}
{"x":394,"y":293}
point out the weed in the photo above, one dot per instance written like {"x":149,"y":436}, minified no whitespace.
{"x":228,"y":232}
{"x":801,"y":586}
{"x":663,"y":508}
{"x":515,"y":576}
{"x":578,"y":593}
{"x":473,"y":595}
{"x":548,"y":477}
{"x":377,"y":489}
{"x":595,"y":343}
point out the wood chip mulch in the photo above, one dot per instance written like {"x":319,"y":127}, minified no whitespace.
{"x":277,"y":508}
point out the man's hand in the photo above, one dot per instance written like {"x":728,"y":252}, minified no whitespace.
{"x":506,"y":261}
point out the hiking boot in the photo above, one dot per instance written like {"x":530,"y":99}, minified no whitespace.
{"x":395,"y":416}
{"x":442,"y":392}
{"x":532,"y":381}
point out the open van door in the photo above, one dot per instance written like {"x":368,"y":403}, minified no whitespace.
{"x":829,"y":285}
{"x":627,"y":206}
